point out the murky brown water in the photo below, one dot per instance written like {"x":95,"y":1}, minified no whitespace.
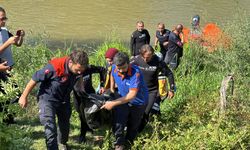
{"x":84,"y":20}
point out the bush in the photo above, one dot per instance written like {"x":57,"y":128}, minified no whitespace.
{"x":14,"y":138}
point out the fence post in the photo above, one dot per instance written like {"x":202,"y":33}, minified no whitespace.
{"x":223,"y":91}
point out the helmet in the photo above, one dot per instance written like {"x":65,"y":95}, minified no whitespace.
{"x":196,"y":20}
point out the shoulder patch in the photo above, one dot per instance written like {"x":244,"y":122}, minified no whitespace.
{"x":47,"y":71}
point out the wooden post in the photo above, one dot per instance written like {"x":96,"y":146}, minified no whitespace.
{"x":223,"y":91}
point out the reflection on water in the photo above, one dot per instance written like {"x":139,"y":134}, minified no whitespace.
{"x":80,"y":20}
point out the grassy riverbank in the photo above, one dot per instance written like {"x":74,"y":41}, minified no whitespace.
{"x":192,"y":120}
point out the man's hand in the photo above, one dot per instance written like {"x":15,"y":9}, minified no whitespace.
{"x":108,"y":105}
{"x":23,"y":102}
{"x":165,"y":44}
{"x":4,"y":67}
{"x":12,"y":40}
{"x":170,"y":94}
{"x":20,"y":33}
{"x":101,"y":90}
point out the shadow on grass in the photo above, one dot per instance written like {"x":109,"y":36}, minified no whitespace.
{"x":37,"y":135}
{"x":28,"y":122}
{"x":94,"y":140}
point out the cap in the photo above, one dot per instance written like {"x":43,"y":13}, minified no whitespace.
{"x":110,"y":53}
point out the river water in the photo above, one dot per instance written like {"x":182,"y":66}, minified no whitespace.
{"x":84,"y":20}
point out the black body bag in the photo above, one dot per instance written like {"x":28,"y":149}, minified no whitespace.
{"x":90,"y":108}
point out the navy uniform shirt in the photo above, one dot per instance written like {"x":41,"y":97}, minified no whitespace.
{"x":56,"y":82}
{"x":175,"y":45}
{"x":162,"y":37}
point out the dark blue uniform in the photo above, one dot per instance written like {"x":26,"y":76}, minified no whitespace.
{"x":129,"y":114}
{"x":175,"y":50}
{"x":163,"y":37}
{"x":54,"y":99}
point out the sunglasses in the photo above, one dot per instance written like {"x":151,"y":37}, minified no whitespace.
{"x":4,"y":19}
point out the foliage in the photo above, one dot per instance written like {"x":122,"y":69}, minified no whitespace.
{"x":12,"y":138}
{"x":97,"y":57}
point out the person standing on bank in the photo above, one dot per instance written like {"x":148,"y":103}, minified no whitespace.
{"x":161,"y":37}
{"x":138,"y":38}
{"x":175,"y":47}
{"x":6,"y":59}
{"x":129,"y":108}
{"x":7,"y":39}
{"x":151,"y":67}
{"x":57,"y":80}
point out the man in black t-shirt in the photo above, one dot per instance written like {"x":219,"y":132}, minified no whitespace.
{"x":162,"y":36}
{"x":139,"y":38}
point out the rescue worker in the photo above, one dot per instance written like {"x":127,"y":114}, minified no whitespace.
{"x":175,"y":47}
{"x":129,"y":108}
{"x":138,"y":38}
{"x":57,"y":80}
{"x":161,"y":37}
{"x":152,"y":68}
{"x":109,"y":56}
{"x":196,"y":29}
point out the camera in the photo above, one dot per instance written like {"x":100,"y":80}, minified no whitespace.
{"x":20,"y":33}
